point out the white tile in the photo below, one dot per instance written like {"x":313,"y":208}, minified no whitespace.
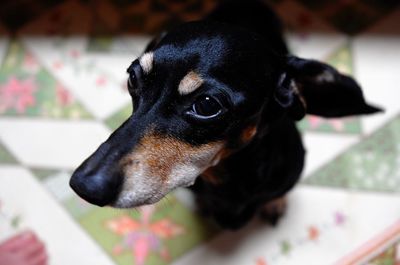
{"x":57,"y":184}
{"x":315,"y":45}
{"x":65,"y":241}
{"x":51,"y":143}
{"x":365,"y":215}
{"x":376,"y":65}
{"x":322,"y":147}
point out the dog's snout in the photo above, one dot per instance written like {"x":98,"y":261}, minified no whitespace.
{"x":100,"y":188}
{"x":95,"y":181}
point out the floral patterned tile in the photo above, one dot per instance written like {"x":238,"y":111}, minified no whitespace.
{"x":28,"y":89}
{"x":96,"y":79}
{"x":130,"y":45}
{"x":66,"y":242}
{"x":320,"y":226}
{"x":371,"y":165}
{"x":150,"y":235}
{"x":155,"y":234}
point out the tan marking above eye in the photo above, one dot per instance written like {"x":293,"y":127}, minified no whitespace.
{"x":146,"y":62}
{"x":190,"y":82}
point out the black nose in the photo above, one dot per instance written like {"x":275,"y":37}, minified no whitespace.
{"x":99,"y":187}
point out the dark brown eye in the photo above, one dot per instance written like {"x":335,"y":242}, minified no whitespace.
{"x":131,"y":83}
{"x":207,"y":107}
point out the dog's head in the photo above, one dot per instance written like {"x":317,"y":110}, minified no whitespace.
{"x":201,"y":92}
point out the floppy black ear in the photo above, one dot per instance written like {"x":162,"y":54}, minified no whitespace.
{"x":309,"y":86}
{"x":155,"y":41}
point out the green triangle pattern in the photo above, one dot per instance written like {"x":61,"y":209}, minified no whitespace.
{"x":388,"y":257}
{"x":43,"y":173}
{"x":118,"y":118}
{"x":343,"y":61}
{"x":371,"y":165}
{"x":6,"y":157}
{"x":28,"y":89}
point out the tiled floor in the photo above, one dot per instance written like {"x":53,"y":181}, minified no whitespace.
{"x":61,"y":96}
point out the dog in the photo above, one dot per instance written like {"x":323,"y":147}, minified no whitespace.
{"x":215,"y":104}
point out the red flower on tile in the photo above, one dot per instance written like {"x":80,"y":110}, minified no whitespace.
{"x":17,"y":94}
{"x":313,"y":233}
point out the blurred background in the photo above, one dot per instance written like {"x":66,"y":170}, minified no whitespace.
{"x":62,"y":92}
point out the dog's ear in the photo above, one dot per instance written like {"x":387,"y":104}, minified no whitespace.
{"x":154,"y":42}
{"x":309,"y":86}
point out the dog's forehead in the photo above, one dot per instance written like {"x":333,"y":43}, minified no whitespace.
{"x":208,"y":44}
{"x":199,"y":52}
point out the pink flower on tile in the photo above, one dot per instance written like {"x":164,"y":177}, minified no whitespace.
{"x":17,"y":94}
{"x":143,"y":236}
{"x":101,"y":81}
{"x":75,"y":54}
{"x":30,"y":64}
{"x":261,"y":261}
{"x":63,"y":96}
{"x":58,"y":65}
{"x":336,"y":124}
{"x":340,"y":218}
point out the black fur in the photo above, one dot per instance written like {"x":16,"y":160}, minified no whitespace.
{"x":240,"y":53}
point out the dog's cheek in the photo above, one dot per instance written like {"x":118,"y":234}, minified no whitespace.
{"x":196,"y":161}
{"x":160,"y":164}
{"x":248,"y":134}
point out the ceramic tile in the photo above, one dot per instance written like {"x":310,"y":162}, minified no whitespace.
{"x":316,"y":46}
{"x":51,"y":144}
{"x":321,"y":148}
{"x":28,"y":89}
{"x":97,"y":81}
{"x":373,"y":164}
{"x":33,"y":211}
{"x":321,"y":225}
{"x":375,"y":61}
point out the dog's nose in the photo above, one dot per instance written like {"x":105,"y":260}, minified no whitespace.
{"x":99,"y":188}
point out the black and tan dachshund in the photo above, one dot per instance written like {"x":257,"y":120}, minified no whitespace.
{"x":215,"y":105}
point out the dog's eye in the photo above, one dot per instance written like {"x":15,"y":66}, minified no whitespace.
{"x":131,"y":79}
{"x":207,"y":106}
